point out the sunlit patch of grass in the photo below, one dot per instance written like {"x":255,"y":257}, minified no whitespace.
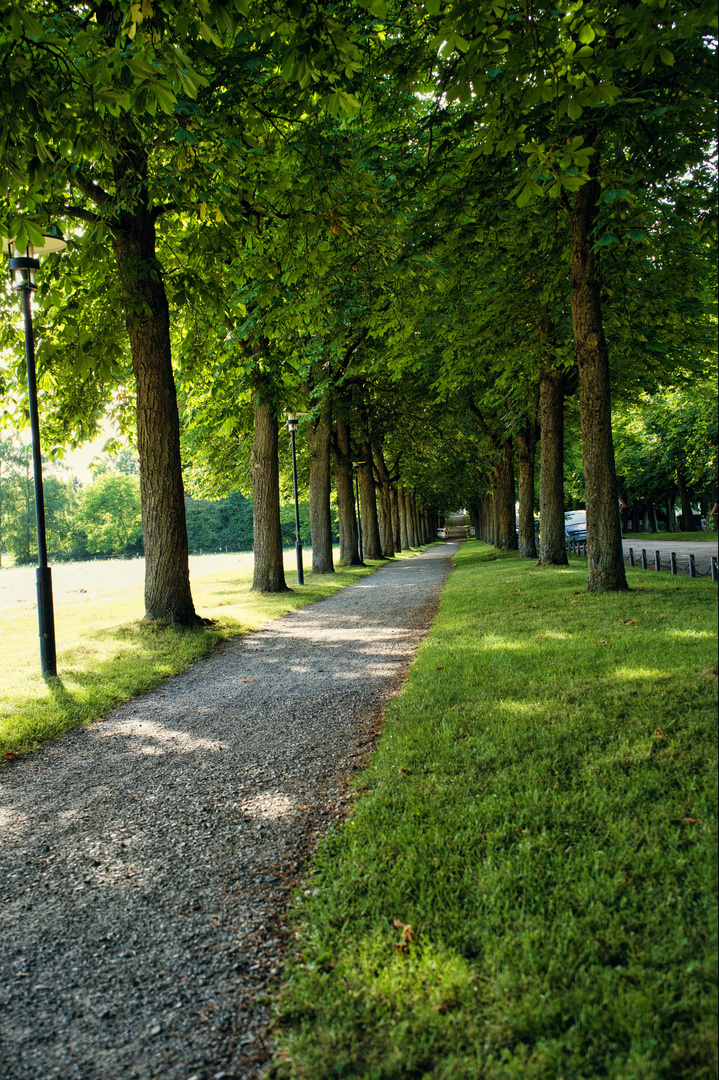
{"x":106,"y":655}
{"x":544,"y":819}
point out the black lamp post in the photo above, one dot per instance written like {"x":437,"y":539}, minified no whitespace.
{"x":292,"y":422}
{"x":355,"y":466}
{"x":23,"y":269}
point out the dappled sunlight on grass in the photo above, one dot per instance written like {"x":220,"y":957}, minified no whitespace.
{"x":542,"y":813}
{"x":106,"y":655}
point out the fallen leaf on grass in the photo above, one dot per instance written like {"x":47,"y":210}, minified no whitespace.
{"x":603,"y":642}
{"x":101,"y":719}
{"x":439,"y":669}
{"x":9,"y":757}
{"x":407,"y":935}
{"x":659,"y":734}
{"x":402,"y":769}
{"x":685,"y":821}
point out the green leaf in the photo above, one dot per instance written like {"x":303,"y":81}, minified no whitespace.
{"x":606,"y":240}
{"x":667,"y":57}
{"x":574,"y":109}
{"x":587,"y":34}
{"x":432,"y":7}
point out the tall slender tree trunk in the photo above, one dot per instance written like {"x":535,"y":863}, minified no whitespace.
{"x":671,"y":516}
{"x":342,"y":456}
{"x":687,"y":513}
{"x":507,"y":538}
{"x":396,"y":526}
{"x":167,"y":571}
{"x":411,"y":538}
{"x":403,"y":522}
{"x":371,"y":543}
{"x":552,"y":547}
{"x":385,"y":503}
{"x":319,"y":438}
{"x":269,"y":573}
{"x":604,"y":539}
{"x":526,"y":440}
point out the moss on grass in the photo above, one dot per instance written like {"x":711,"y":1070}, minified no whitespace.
{"x":542,"y":812}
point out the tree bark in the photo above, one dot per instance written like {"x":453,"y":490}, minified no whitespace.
{"x":687,"y":514}
{"x":396,"y":527}
{"x":526,"y":441}
{"x":269,"y":572}
{"x":319,"y":438}
{"x":507,"y":530}
{"x":671,"y":516}
{"x":167,"y":571}
{"x":385,"y":503}
{"x":411,"y":538}
{"x":403,"y":521}
{"x":371,"y":543}
{"x":604,"y":539}
{"x":552,"y":548}
{"x":342,"y":457}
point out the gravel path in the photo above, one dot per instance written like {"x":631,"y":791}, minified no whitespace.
{"x":146,"y":860}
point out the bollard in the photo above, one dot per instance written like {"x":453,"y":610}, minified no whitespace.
{"x":713,"y":565}
{"x":692,"y":567}
{"x":673,"y":562}
{"x":631,"y":556}
{"x":644,"y":558}
{"x":657,"y":560}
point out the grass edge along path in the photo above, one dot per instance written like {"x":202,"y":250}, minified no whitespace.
{"x":526,"y":888}
{"x":100,"y":668}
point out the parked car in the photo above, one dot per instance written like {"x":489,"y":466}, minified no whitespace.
{"x":575,"y":525}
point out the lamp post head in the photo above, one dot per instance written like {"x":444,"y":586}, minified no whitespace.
{"x":23,"y":268}
{"x":292,"y":421}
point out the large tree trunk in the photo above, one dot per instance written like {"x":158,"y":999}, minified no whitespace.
{"x":671,"y":516}
{"x":507,"y":529}
{"x":411,"y":538}
{"x":269,"y":573}
{"x":687,"y":514}
{"x":319,"y":438}
{"x":342,"y":456}
{"x":403,"y":521}
{"x":394,"y":509}
{"x":385,"y":503}
{"x":167,"y":571}
{"x":371,"y":543}
{"x":604,"y":538}
{"x":552,"y":548}
{"x":526,"y":440}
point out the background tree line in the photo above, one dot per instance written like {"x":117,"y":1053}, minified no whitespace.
{"x":103,"y":518}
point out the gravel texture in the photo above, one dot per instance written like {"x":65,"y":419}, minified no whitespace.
{"x":146,"y":860}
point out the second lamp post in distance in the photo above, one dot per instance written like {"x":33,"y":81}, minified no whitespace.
{"x":293,"y":420}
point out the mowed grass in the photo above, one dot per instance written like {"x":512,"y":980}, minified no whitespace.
{"x":106,"y":655}
{"x":527,"y":888}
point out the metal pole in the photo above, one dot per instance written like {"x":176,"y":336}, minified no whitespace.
{"x":692,"y":566}
{"x":43,"y":574}
{"x":673,"y":562}
{"x":631,"y":556}
{"x":644,"y":558}
{"x":359,"y":517}
{"x":657,"y":560}
{"x":298,"y":542}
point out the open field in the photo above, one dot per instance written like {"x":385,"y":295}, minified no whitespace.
{"x":105,"y":655}
{"x":527,"y":887}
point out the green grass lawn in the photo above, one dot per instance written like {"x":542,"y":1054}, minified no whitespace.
{"x":527,"y":888}
{"x":106,"y":655}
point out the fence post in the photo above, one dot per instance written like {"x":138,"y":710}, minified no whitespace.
{"x":631,"y":556}
{"x":657,"y":560}
{"x":644,"y":558}
{"x":673,"y":562}
{"x":692,"y":567}
{"x":713,"y":564}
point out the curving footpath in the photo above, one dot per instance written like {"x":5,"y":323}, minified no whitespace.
{"x":146,"y":860}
